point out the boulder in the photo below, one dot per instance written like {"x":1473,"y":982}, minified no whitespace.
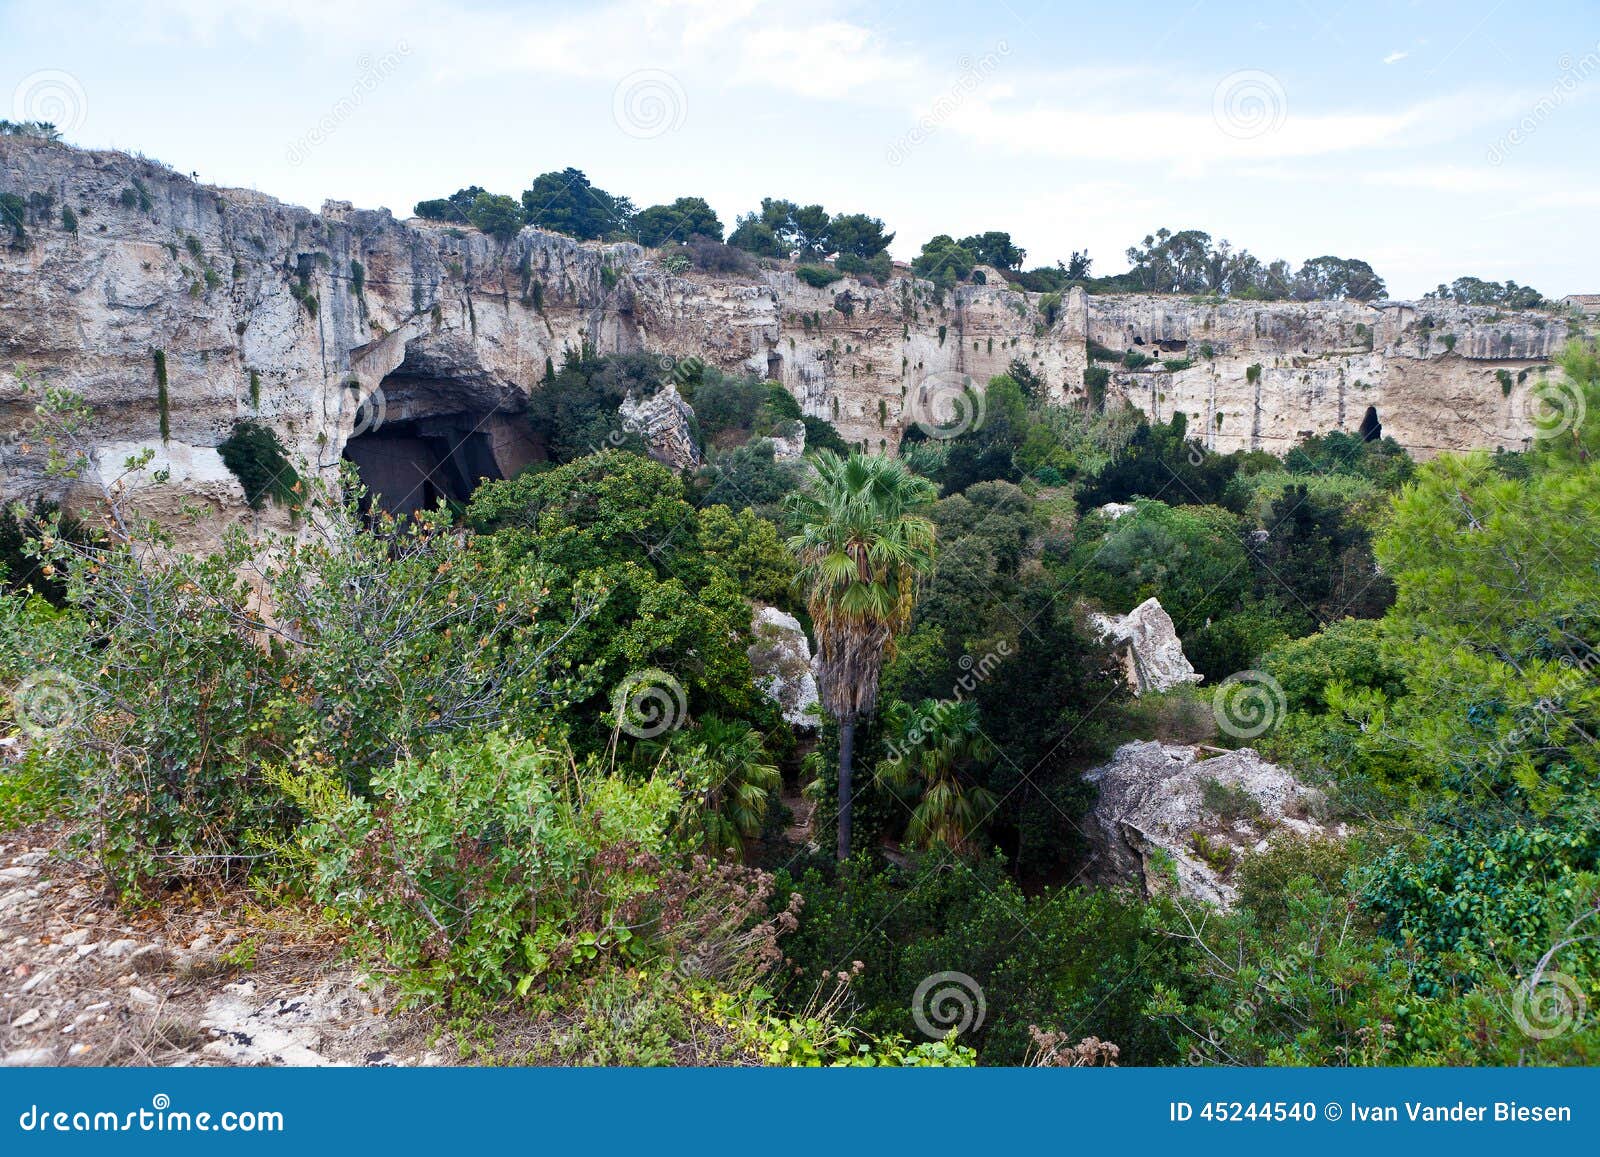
{"x":789,"y":441}
{"x":781,"y":656}
{"x":1202,"y":812}
{"x":1151,"y":652}
{"x":1115,"y":510}
{"x":666,"y":423}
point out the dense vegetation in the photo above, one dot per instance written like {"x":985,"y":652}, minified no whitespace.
{"x":516,"y":754}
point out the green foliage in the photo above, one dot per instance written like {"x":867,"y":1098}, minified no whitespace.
{"x":256,"y":457}
{"x":725,"y":404}
{"x":749,"y":477}
{"x":1189,"y":557}
{"x":396,"y":638}
{"x":1464,"y":902}
{"x":39,"y":130}
{"x":23,"y":567}
{"x":943,"y":261}
{"x":14,"y":216}
{"x":684,"y":218}
{"x":995,"y":249}
{"x":566,"y":202}
{"x":1383,"y":462}
{"x":861,"y":543}
{"x":728,"y":780}
{"x":1476,"y":291}
{"x":489,"y":866}
{"x":1317,"y":565}
{"x":574,"y":412}
{"x":1188,"y":261}
{"x":453,"y":208}
{"x":1080,"y":961}
{"x":1161,"y":461}
{"x":933,"y":750}
{"x":1350,"y":652}
{"x":614,"y":532}
{"x":817,"y":276}
{"x":163,"y":414}
{"x":494,"y":214}
{"x":785,"y":229}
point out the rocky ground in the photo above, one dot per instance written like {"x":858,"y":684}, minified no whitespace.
{"x":212,"y":979}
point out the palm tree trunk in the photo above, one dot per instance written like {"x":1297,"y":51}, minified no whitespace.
{"x":847,"y":745}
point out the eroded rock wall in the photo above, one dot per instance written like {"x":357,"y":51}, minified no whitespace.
{"x":263,"y":309}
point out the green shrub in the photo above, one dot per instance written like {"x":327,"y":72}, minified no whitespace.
{"x":257,"y":459}
{"x":489,"y":866}
{"x":817,"y":276}
{"x":1078,"y":960}
{"x":163,"y":414}
{"x":441,"y":638}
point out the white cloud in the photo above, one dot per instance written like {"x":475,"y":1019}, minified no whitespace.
{"x":1188,"y":134}
{"x":1395,"y":57}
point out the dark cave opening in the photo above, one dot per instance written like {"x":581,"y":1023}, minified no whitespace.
{"x":409,"y":465}
{"x":1371,"y":428}
{"x":432,"y":431}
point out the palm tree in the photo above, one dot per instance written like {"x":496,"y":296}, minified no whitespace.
{"x":724,"y":767}
{"x":862,"y":544}
{"x":934,"y":745}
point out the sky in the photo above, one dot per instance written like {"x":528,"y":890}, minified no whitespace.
{"x":1431,"y":139}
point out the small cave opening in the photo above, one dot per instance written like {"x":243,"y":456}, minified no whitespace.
{"x":435,"y":437}
{"x":1371,"y":428}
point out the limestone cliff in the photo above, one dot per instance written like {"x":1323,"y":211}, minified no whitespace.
{"x":331,"y":324}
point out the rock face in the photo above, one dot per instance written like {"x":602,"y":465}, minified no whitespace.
{"x":666,"y":422}
{"x":417,"y":344}
{"x":789,"y":441}
{"x":1262,"y":375}
{"x":781,"y":656}
{"x":1204,"y":815}
{"x":1151,"y":652}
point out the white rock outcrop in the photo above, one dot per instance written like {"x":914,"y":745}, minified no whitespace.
{"x":789,"y":441}
{"x":781,"y":656}
{"x":666,"y":423}
{"x":1203,"y":815}
{"x":1152,"y":654}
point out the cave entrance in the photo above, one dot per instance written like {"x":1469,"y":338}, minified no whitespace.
{"x":1371,"y":428}
{"x":435,"y":428}
{"x":409,"y":465}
